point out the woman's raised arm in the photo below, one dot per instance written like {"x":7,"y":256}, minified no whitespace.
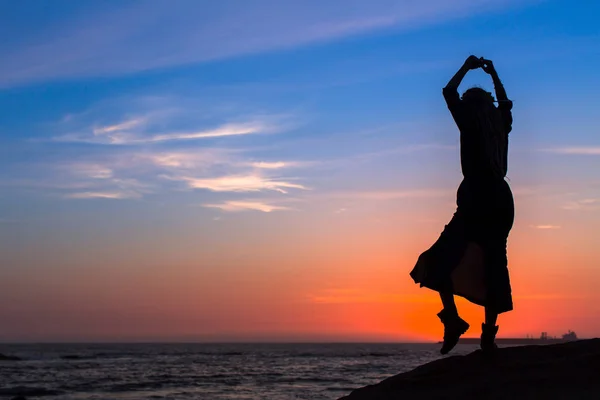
{"x":488,"y":67}
{"x":504,"y":104}
{"x":451,"y":90}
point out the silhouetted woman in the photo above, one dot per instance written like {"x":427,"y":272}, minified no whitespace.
{"x":469,"y":258}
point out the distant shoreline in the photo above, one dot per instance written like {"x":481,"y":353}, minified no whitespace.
{"x":517,"y":341}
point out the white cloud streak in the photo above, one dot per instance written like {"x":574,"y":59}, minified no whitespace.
{"x":226,"y":130}
{"x":545,"y":227}
{"x":123,"y":126}
{"x":103,"y":195}
{"x":199,"y":159}
{"x":114,"y":135}
{"x":582,"y":150}
{"x":271,"y":165}
{"x":94,"y":171}
{"x":238,"y":183}
{"x":589,"y":204}
{"x":133,"y":173}
{"x":97,"y":180}
{"x":235,"y":206}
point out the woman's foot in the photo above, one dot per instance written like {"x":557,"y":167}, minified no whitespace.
{"x":454,"y":327}
{"x":488,"y":338}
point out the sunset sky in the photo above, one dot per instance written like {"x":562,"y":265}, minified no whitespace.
{"x":271,"y":170}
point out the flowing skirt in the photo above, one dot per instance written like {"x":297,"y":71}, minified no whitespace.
{"x":469,"y":258}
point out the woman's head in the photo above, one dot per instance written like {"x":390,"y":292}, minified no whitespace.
{"x":478,"y":97}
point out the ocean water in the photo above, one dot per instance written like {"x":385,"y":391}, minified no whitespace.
{"x":205,"y":371}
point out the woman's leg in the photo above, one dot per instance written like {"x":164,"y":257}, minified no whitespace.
{"x":495,"y":266}
{"x":489,"y":329}
{"x":491,"y":316}
{"x":454,"y":326}
{"x":447,"y":296}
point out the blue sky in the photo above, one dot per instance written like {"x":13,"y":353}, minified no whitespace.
{"x":294,"y":68}
{"x":130,"y":100}
{"x":127,"y":119}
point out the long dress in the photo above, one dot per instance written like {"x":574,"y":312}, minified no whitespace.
{"x":470,"y":258}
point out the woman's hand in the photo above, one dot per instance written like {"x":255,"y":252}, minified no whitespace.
{"x":472,"y":62}
{"x":487,"y":65}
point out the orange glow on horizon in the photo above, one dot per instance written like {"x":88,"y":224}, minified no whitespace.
{"x":347,"y":281}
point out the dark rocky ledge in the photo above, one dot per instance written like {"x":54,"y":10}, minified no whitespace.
{"x":547,"y":372}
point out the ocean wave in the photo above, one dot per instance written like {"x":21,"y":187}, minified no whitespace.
{"x":346,"y":355}
{"x":135,"y":386}
{"x":29,"y":391}
{"x":299,"y":379}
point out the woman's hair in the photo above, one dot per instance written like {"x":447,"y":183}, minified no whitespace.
{"x":487,"y":120}
{"x":477,"y":95}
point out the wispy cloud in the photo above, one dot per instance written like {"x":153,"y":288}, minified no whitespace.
{"x":103,"y":195}
{"x":94,"y":171}
{"x":110,"y":188}
{"x":582,"y":150}
{"x":233,"y":206}
{"x":150,"y":152}
{"x":545,"y":226}
{"x":238,"y":183}
{"x":110,"y":178}
{"x":583,"y":204}
{"x":129,"y":38}
{"x":133,"y":171}
{"x":189,"y":160}
{"x":277,"y":164}
{"x":226,"y":130}
{"x":118,"y":135}
{"x":123,"y":126}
